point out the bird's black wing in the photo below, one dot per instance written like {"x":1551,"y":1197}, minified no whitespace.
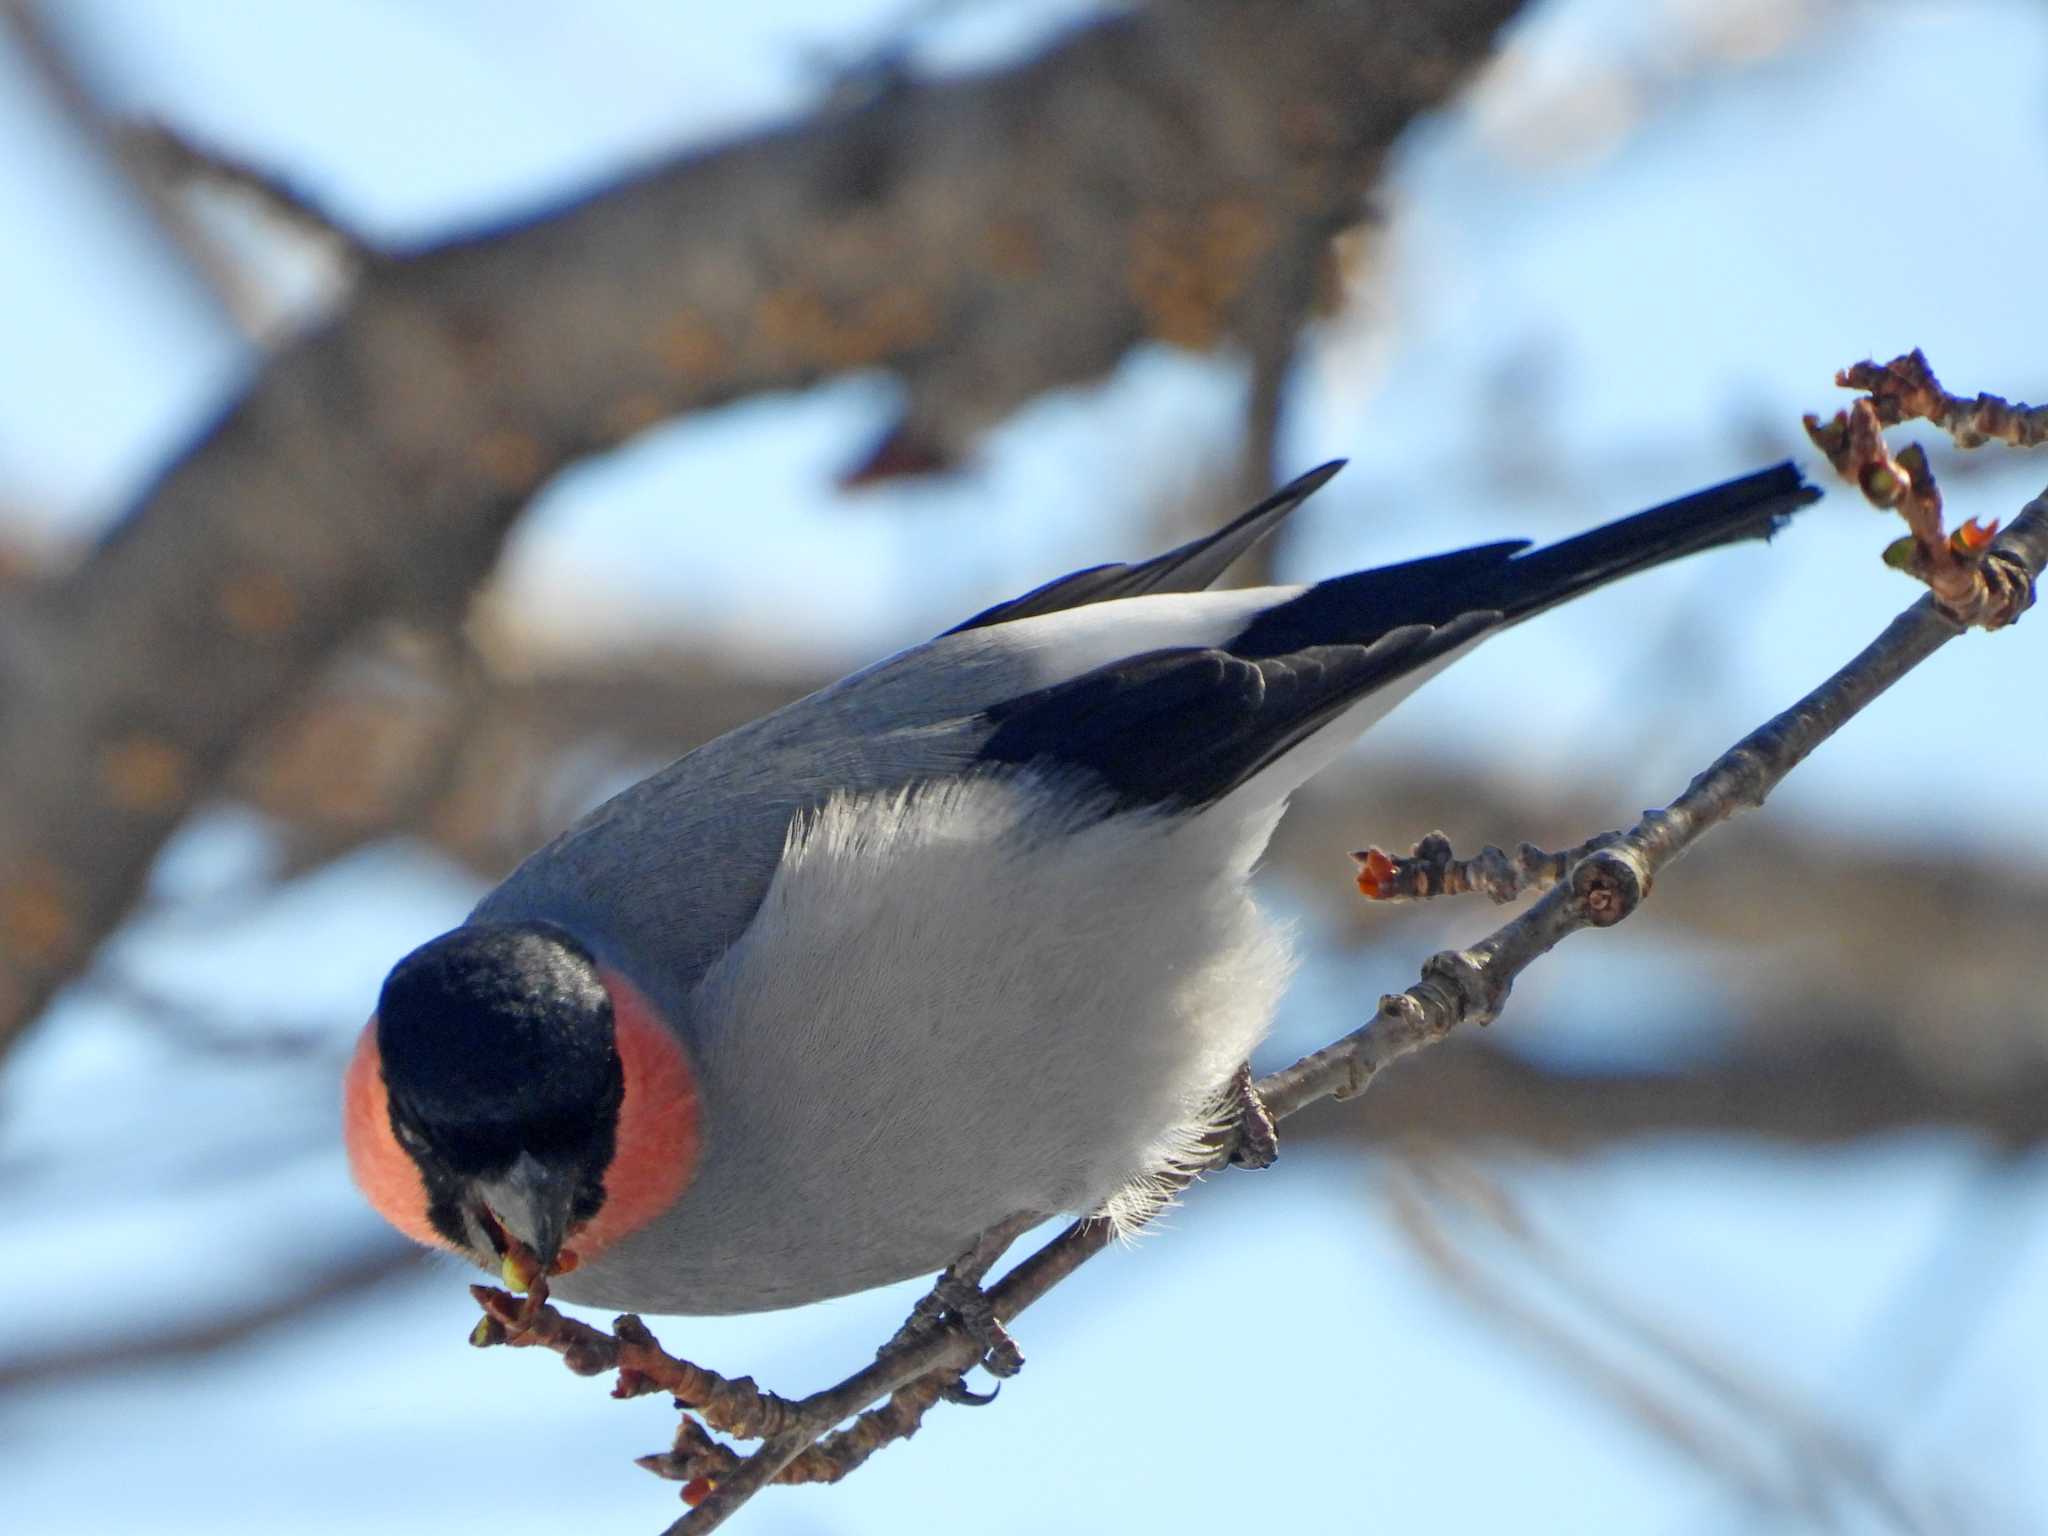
{"x":1182,"y":727}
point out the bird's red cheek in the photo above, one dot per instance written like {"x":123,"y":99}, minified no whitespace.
{"x":655,"y":1150}
{"x":388,"y":1178}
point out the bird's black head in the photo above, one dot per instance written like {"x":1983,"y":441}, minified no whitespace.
{"x":501,"y":1060}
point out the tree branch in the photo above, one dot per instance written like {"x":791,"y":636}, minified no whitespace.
{"x":1174,"y":175}
{"x":1905,"y":389}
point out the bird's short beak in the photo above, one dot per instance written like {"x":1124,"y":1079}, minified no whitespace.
{"x":531,"y":1201}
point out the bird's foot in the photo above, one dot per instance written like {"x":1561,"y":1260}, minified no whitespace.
{"x":1257,"y":1143}
{"x":967,"y":1304}
{"x":957,"y":1297}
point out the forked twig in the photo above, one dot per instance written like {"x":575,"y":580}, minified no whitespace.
{"x":1974,"y":590}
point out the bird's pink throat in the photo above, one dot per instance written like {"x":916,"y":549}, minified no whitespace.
{"x":388,"y":1178}
{"x":656,"y":1149}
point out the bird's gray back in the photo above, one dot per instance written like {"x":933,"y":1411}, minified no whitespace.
{"x":665,"y":875}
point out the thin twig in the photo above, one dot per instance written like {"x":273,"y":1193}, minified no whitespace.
{"x":1905,"y":389}
{"x":939,"y":1357}
{"x":929,"y":1363}
{"x":171,"y":156}
{"x":1433,"y":869}
{"x":1974,"y":591}
{"x":215,"y":274}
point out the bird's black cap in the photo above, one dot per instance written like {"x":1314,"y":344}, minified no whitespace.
{"x":497,"y":1039}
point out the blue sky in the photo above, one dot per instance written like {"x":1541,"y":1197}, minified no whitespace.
{"x":1712,"y":266}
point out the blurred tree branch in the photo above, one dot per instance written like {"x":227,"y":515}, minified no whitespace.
{"x":1174,"y":175}
{"x":1807,"y":1465}
{"x":334,"y":1281}
{"x":213,"y":275}
{"x":1819,"y":1093}
{"x":165,"y":156}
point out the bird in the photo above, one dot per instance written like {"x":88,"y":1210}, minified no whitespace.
{"x":965,"y":938}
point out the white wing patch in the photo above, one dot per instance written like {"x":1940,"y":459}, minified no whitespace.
{"x":1064,"y":645}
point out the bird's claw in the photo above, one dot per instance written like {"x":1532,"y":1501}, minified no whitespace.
{"x":967,"y":1304}
{"x":959,"y":1392}
{"x":1257,"y":1142}
{"x":957,"y":1297}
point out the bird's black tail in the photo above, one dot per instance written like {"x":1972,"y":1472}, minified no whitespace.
{"x":1754,"y":507}
{"x":1515,"y":581}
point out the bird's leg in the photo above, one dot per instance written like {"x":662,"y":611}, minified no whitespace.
{"x":1257,"y":1142}
{"x":958,"y":1290}
{"x":957,"y":1296}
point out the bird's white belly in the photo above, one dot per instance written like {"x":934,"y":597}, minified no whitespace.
{"x":954,"y":1009}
